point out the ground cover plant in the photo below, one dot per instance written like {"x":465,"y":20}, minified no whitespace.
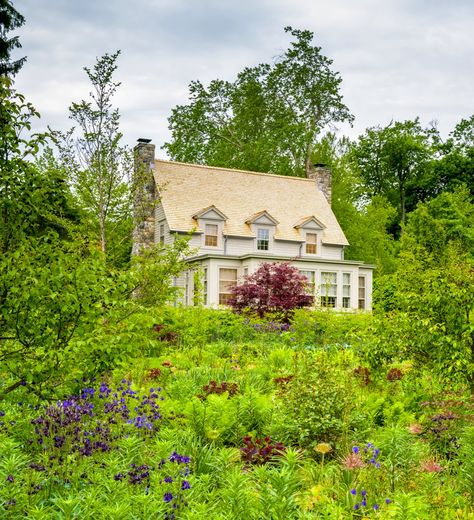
{"x":219,"y":418}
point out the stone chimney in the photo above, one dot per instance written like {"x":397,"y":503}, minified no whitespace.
{"x":145,"y":195}
{"x":323,"y":177}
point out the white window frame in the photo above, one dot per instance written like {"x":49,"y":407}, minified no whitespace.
{"x":217,"y":235}
{"x":262,"y":240}
{"x":230,"y":283}
{"x":162,"y":232}
{"x":311,"y":281}
{"x":307,"y":243}
{"x":346,"y":288}
{"x":328,"y":289}
{"x":362,"y":301}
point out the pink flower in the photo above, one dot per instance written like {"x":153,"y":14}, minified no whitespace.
{"x":415,"y":429}
{"x":353,"y":461}
{"x":431,"y":466}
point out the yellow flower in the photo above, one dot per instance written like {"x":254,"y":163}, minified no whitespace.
{"x":323,"y":447}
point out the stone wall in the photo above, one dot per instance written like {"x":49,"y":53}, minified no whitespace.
{"x":145,"y":196}
{"x":323,"y":177}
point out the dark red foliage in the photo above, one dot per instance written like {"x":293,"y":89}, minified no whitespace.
{"x":219,"y":388}
{"x":153,"y":373}
{"x":394,"y":374}
{"x":273,"y":288}
{"x":363,"y":374}
{"x":164,"y":334}
{"x":260,"y":451}
{"x":283,"y":380}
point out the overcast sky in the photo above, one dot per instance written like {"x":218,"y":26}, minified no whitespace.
{"x":398,"y":58}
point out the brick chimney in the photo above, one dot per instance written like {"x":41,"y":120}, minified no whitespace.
{"x":145,"y":195}
{"x":323,"y":177}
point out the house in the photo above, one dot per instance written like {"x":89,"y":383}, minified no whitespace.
{"x":239,"y":219}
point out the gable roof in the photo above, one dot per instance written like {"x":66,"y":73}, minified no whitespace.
{"x":185,"y":189}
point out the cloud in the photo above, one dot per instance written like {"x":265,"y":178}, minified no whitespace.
{"x":398,"y":58}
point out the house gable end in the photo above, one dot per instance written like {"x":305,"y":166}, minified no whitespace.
{"x":262,"y":217}
{"x":310,"y":223}
{"x":210,"y":213}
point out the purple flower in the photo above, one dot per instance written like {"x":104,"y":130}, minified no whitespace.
{"x":353,"y":492}
{"x":10,"y":478}
{"x":363,"y":492}
{"x":376,"y":506}
{"x":185,"y":485}
{"x":356,"y":507}
{"x":167,"y":497}
{"x":387,"y":501}
{"x":168,"y":480}
{"x":355,"y":449}
{"x":364,"y":502}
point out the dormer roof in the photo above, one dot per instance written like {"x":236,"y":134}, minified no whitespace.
{"x":262,"y":217}
{"x":310,"y":222}
{"x":211,"y":213}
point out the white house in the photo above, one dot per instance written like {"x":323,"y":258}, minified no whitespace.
{"x":239,"y":219}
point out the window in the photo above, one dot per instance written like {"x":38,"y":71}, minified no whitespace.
{"x":227,"y":280}
{"x":162,"y":233}
{"x":263,"y":239}
{"x":346,"y":290}
{"x":310,"y":284}
{"x":204,"y":286}
{"x":328,"y":289}
{"x":361,"y":292}
{"x":210,"y":235}
{"x":311,"y":243}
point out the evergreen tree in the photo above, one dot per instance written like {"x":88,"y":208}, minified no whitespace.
{"x":10,"y":19}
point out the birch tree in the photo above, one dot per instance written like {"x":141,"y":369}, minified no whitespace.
{"x":99,"y":165}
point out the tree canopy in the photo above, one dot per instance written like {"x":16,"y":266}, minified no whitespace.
{"x":268,"y":119}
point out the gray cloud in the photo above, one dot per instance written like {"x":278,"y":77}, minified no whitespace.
{"x":398,"y":58}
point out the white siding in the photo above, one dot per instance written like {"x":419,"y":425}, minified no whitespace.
{"x":332,"y":252}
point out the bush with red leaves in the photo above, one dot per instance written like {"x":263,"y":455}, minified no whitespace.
{"x":274,"y":288}
{"x":363,"y":374}
{"x":260,"y":451}
{"x":394,"y":374}
{"x":219,"y":388}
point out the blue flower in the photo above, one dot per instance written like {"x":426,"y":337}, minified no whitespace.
{"x":353,"y":492}
{"x":185,"y":485}
{"x":355,"y":449}
{"x":168,"y":480}
{"x":387,"y":501}
{"x":363,"y":492}
{"x":167,"y":497}
{"x":356,"y":507}
{"x":376,"y":506}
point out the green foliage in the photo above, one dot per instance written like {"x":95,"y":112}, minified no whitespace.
{"x":153,"y":271}
{"x":58,"y":300}
{"x":99,"y":166}
{"x":394,"y":161}
{"x":313,"y":402}
{"x":267,"y":119}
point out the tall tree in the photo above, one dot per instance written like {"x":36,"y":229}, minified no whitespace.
{"x":268,"y":119}
{"x":10,"y":19}
{"x":394,"y":161}
{"x":99,"y":165}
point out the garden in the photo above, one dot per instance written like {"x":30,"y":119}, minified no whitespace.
{"x":226,"y":417}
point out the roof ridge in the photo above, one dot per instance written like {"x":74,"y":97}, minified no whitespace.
{"x":207,"y":167}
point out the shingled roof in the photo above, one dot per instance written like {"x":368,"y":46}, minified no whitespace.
{"x":185,"y":189}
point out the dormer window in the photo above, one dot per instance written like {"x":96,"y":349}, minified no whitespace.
{"x":263,"y":239}
{"x":311,"y":243}
{"x":211,"y":235}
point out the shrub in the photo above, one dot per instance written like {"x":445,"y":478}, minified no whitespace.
{"x":275,"y":288}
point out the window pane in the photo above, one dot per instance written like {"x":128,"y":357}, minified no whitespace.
{"x":227,"y":280}
{"x":311,"y":241}
{"x":263,"y":238}
{"x":211,"y":233}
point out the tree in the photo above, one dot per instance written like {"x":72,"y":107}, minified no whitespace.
{"x":456,"y":163}
{"x":10,"y":19}
{"x":268,"y":119}
{"x":427,"y":306}
{"x":394,"y":162}
{"x":99,"y":166}
{"x":33,"y":198}
{"x":277,"y":288}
